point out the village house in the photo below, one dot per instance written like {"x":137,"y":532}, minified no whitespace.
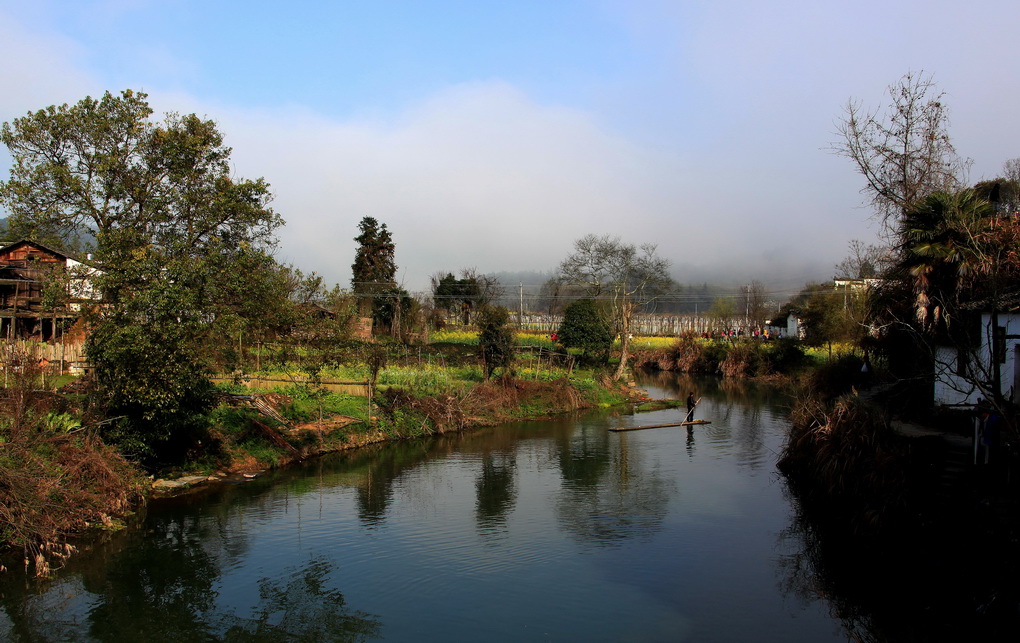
{"x":42,"y":291}
{"x":966,"y":373}
{"x":786,"y":326}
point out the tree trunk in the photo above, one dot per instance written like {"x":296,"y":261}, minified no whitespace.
{"x":628,"y":310}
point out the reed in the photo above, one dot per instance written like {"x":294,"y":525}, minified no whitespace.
{"x":845,"y":458}
{"x":57,"y":478}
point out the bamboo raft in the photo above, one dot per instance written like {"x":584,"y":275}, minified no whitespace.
{"x":659,"y":426}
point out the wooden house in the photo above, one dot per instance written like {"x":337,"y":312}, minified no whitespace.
{"x":41,"y":291}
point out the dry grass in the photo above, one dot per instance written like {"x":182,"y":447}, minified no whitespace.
{"x":846,"y":457}
{"x":498,"y":400}
{"x":56,"y":479}
{"x":684,"y":354}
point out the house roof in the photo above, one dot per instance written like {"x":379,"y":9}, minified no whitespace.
{"x":1008,"y":302}
{"x":9,"y":247}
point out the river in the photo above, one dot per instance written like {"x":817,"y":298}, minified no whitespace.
{"x":556,"y":530}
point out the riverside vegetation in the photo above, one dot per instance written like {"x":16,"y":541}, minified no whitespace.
{"x":58,"y":479}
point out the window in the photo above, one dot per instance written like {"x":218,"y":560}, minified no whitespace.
{"x":962,"y":361}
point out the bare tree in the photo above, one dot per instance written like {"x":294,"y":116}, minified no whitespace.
{"x":625,"y":275}
{"x":1009,"y":202}
{"x":756,"y":304}
{"x":904,"y":154}
{"x":864,"y":261}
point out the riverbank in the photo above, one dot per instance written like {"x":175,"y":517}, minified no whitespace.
{"x":59,"y":482}
{"x":416,"y":393}
{"x":882,"y":491}
{"x":261,"y":439}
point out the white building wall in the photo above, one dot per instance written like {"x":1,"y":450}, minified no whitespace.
{"x":82,"y":284}
{"x":954,"y":389}
{"x":793,"y":327}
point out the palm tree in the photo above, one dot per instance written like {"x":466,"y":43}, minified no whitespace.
{"x":943,"y":251}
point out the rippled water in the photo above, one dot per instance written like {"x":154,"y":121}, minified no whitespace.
{"x":558,"y":530}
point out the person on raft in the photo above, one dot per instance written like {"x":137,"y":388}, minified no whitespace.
{"x":691,"y":403}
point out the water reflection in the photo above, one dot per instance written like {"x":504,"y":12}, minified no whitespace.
{"x":166,"y":584}
{"x":609,"y":494}
{"x":558,"y":529}
{"x":301,"y":606}
{"x":496,"y":490}
{"x":950,"y":581}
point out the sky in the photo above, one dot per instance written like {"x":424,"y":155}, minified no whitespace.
{"x":492,"y":135}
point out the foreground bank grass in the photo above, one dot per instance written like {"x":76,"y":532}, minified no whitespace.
{"x":416,"y":391}
{"x":57,"y":478}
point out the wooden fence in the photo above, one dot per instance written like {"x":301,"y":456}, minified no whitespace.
{"x":334,"y":386}
{"x":55,"y":357}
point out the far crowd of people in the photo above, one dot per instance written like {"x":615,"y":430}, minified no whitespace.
{"x":739,"y":332}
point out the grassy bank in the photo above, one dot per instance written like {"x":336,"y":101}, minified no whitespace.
{"x":58,"y":480}
{"x":312,"y":420}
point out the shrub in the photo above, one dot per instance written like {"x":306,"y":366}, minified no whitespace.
{"x":786,"y":355}
{"x":496,"y":339}
{"x":686,"y":354}
{"x":846,"y":458}
{"x":55,"y":479}
{"x":743,"y":359}
{"x":585,"y":327}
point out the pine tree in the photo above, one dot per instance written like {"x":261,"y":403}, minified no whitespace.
{"x":374,"y":268}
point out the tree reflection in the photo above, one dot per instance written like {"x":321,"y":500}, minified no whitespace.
{"x":609,"y":496}
{"x":381,"y":469}
{"x":952,"y":581}
{"x":166,"y":592}
{"x":496,"y":489}
{"x":302,"y":607}
{"x":159,"y":590}
{"x":583,"y":458}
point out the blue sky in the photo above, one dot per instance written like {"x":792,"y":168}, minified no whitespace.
{"x":491,"y":135}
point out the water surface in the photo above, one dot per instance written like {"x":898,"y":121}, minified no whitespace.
{"x":553,"y":531}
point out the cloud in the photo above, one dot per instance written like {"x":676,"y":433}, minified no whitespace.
{"x":476,"y":176}
{"x":713,"y":147}
{"x":38,"y":68}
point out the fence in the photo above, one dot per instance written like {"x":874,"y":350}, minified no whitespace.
{"x":55,"y":357}
{"x":350,"y":388}
{"x":656,"y":325}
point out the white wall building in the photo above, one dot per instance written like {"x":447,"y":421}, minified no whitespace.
{"x":963,"y":375}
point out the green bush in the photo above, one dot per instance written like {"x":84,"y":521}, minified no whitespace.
{"x":712,"y":355}
{"x":744,"y":359}
{"x":585,"y":327}
{"x":786,"y":355}
{"x":496,"y":339}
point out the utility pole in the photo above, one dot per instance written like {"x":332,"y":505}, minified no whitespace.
{"x":520,"y":316}
{"x":747,"y":306}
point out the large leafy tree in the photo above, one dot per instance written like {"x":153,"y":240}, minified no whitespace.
{"x":626,"y":276}
{"x":103,"y":170}
{"x":466,"y":294}
{"x":450,"y":293}
{"x":831,"y":315}
{"x":179,"y":238}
